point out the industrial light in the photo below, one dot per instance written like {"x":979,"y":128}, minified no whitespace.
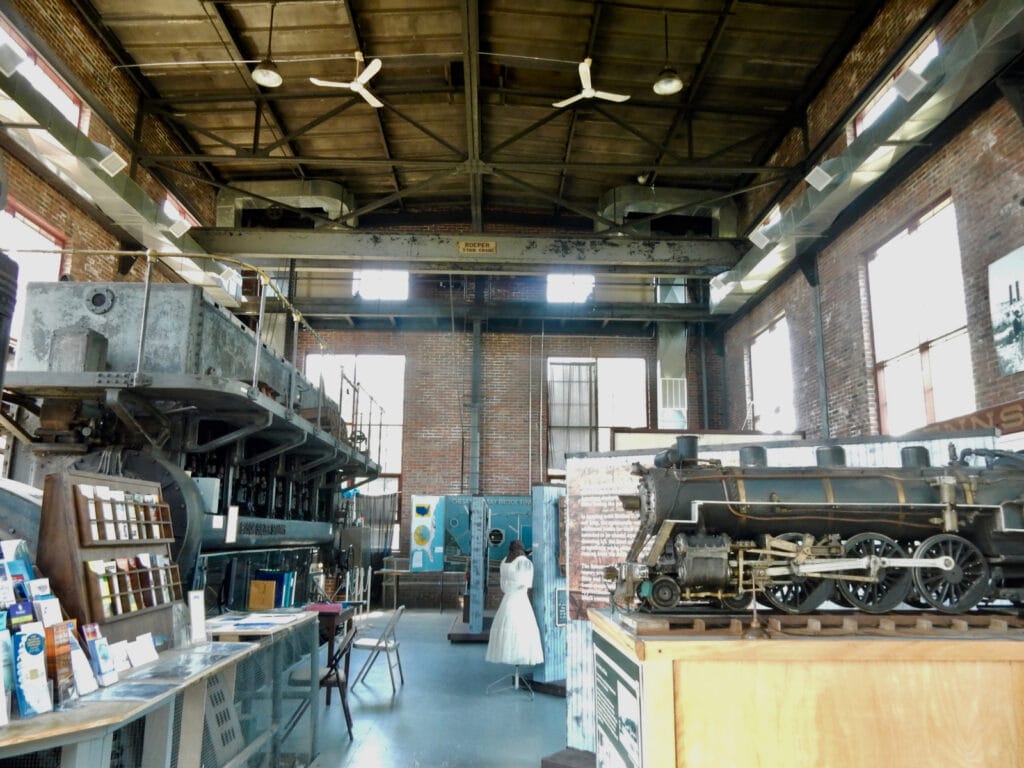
{"x":266,"y":74}
{"x":668,"y":81}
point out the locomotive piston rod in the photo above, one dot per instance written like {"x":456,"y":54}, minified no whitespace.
{"x":873,"y":564}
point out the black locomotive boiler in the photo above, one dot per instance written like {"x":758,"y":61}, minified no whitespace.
{"x":946,"y":537}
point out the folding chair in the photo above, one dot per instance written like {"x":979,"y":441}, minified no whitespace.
{"x":385,"y":642}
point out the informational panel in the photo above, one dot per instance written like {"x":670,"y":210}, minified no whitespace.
{"x":509,"y":517}
{"x":616,"y":707}
{"x":426,"y":550}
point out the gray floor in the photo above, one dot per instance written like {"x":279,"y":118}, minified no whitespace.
{"x":443,"y":717}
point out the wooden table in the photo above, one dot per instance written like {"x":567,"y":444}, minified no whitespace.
{"x":392,"y":576}
{"x":84,"y":732}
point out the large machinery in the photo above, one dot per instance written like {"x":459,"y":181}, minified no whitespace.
{"x":156,"y":382}
{"x":942,"y":537}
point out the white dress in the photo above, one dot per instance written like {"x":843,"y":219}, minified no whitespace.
{"x":515,"y":638}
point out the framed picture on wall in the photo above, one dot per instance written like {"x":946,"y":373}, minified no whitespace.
{"x":1005,"y":277}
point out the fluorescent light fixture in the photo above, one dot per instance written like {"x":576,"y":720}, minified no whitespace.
{"x":909,"y":84}
{"x":10,"y":59}
{"x":179,"y":228}
{"x":758,"y":238}
{"x":819,"y":178}
{"x":266,"y":74}
{"x":113,"y":164}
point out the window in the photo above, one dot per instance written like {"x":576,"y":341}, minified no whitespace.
{"x":589,"y":397}
{"x":32,"y":248}
{"x":919,"y":322}
{"x":381,"y":284}
{"x":376,"y":408}
{"x":574,"y":289}
{"x":43,"y":78}
{"x":874,"y":109}
{"x":770,"y":380}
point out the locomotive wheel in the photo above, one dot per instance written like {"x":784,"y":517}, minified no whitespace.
{"x":740,"y":602}
{"x":893,"y":584}
{"x":665,"y":593}
{"x":957,"y":590}
{"x":798,"y":594}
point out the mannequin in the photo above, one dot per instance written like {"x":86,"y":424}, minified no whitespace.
{"x":515,"y":638}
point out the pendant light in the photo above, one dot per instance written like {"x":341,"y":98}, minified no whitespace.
{"x":669,"y":81}
{"x":266,"y":73}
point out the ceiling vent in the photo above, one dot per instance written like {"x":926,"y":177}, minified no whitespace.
{"x":683,"y":211}
{"x":292,"y":204}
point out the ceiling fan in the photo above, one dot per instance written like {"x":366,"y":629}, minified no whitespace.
{"x":588,"y":91}
{"x":359,"y":84}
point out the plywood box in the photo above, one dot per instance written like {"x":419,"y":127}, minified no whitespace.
{"x":802,"y":702}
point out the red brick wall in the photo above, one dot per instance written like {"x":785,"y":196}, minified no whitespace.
{"x":982,"y":170}
{"x":438,"y":387}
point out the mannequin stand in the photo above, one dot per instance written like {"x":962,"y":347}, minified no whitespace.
{"x":516,"y":683}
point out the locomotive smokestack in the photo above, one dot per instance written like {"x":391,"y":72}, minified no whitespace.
{"x":753,"y":456}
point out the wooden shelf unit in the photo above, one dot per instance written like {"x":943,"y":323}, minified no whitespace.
{"x":104,"y":543}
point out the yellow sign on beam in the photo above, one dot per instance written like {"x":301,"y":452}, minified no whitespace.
{"x":467,"y":247}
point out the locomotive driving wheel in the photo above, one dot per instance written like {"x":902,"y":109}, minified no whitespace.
{"x":665,"y":593}
{"x":892,"y":585}
{"x":956,"y":590}
{"x":795,"y":593}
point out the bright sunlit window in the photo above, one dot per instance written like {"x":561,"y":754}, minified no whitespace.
{"x":771,"y":380}
{"x":27,"y":244}
{"x":919,"y":321}
{"x":570,"y":289}
{"x":381,"y":284}
{"x":381,"y":381}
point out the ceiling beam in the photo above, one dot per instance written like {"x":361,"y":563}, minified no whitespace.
{"x":494,"y":254}
{"x":354,"y":308}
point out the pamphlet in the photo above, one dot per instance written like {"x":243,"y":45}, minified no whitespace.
{"x":31,"y":686}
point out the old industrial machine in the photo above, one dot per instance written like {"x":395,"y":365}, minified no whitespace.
{"x":157,"y":382}
{"x":942,"y":537}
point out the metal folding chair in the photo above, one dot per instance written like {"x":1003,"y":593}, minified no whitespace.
{"x":387,"y":643}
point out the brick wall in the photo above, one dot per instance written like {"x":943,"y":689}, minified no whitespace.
{"x":438,"y":371}
{"x":982,"y":170}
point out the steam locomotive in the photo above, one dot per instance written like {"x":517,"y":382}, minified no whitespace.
{"x":947,"y":538}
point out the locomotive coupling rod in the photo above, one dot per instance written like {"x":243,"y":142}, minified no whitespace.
{"x":871,"y":563}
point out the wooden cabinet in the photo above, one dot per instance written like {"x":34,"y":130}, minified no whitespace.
{"x":105,"y":544}
{"x":669,"y":700}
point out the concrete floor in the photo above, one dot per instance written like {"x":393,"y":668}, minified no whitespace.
{"x":443,"y":717}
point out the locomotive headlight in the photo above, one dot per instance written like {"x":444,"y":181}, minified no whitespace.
{"x":611,"y":573}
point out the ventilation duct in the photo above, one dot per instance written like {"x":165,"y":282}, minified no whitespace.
{"x":684,"y":211}
{"x":671,"y":376}
{"x":992,"y":38}
{"x":96,"y":173}
{"x":281,"y":204}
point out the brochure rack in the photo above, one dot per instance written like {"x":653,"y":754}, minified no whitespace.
{"x":105,"y":546}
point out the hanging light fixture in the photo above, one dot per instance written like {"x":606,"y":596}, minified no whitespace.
{"x":266,"y":73}
{"x":668,"y":81}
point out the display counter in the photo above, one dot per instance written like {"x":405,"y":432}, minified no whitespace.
{"x":700,"y":699}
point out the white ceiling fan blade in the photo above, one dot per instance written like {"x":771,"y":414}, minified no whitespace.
{"x":371,"y":69}
{"x":567,"y":102}
{"x":329,"y":83}
{"x":611,"y":96}
{"x":372,"y":100}
{"x":585,"y":74}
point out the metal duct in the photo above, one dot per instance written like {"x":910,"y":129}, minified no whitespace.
{"x":97,"y":173}
{"x":618,"y":203}
{"x":992,"y":38}
{"x":332,"y":198}
{"x":672,"y":376}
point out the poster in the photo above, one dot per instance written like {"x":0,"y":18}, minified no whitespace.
{"x":1005,"y":277}
{"x":617,"y":707}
